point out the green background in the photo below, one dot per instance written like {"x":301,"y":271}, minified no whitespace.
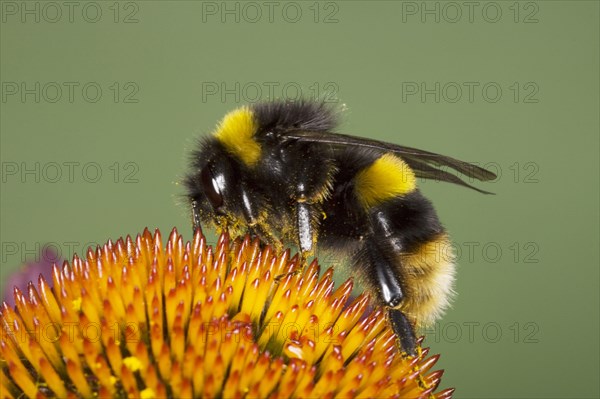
{"x":525,"y":322}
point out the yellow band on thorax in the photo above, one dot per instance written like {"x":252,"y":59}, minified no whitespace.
{"x":236,"y":131}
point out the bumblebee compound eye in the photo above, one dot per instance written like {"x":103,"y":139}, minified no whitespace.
{"x":211,"y":188}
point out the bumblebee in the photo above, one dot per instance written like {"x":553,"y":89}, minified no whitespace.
{"x":277,"y":170}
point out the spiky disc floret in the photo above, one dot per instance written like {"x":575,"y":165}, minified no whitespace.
{"x":136,"y":319}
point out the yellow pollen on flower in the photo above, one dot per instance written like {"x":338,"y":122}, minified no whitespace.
{"x":147,"y":394}
{"x":76,"y":304}
{"x":132,"y":363}
{"x":137,"y":318}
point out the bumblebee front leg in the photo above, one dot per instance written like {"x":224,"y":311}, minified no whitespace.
{"x":195,"y":217}
{"x":255,"y":226}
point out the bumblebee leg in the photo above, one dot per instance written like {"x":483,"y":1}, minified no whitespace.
{"x":255,"y":227}
{"x":383,"y":276}
{"x":404,"y":331}
{"x":387,"y":281}
{"x":383,"y":248}
{"x":258,"y":230}
{"x":305,"y":228}
{"x":309,"y":173}
{"x":305,"y":237}
{"x":195,"y":216}
{"x":280,"y":277}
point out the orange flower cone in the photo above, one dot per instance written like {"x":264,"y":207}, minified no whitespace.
{"x":139,"y":320}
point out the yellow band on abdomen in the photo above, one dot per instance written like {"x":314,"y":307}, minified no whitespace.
{"x":386,"y":178}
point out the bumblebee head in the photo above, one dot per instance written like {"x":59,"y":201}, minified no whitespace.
{"x":217,"y":177}
{"x":211,"y":187}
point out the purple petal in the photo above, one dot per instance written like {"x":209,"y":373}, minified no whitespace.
{"x":30,"y":272}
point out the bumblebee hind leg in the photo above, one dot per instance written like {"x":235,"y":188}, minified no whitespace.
{"x":404,"y":331}
{"x":383,"y":276}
